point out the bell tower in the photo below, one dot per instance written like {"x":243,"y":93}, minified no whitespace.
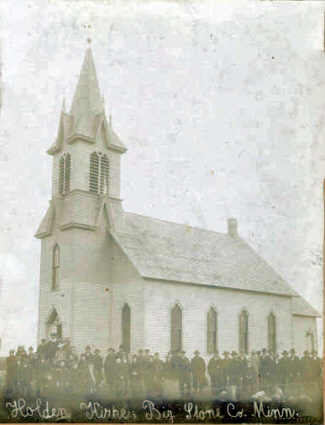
{"x":86,"y":154}
{"x":85,"y":203}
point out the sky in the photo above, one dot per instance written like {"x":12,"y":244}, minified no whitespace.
{"x":220,"y":104}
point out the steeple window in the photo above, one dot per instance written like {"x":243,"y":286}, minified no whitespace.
{"x":98,"y":173}
{"x":64,"y":174}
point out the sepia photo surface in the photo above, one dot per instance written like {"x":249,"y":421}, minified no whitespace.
{"x":162,"y":169}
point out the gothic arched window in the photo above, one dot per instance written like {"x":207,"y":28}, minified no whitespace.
{"x":98,"y":173}
{"x":55,"y":267}
{"x":64,"y":174}
{"x":176,"y":328}
{"x":271,"y":334}
{"x":126,"y":328}
{"x":243,"y":332}
{"x":212,"y":331}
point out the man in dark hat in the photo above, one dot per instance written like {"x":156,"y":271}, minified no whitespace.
{"x":241,"y":362}
{"x":305,"y":371}
{"x":284,"y":366}
{"x":184,"y":373}
{"x":198,"y":368}
{"x":159,"y":365}
{"x":98,"y":366}
{"x":266,"y":371}
{"x":31,"y":356}
{"x":25,"y":377}
{"x":41,"y":374}
{"x":294,"y":368}
{"x":233,"y":374}
{"x":146,"y":357}
{"x":256,"y":366}
{"x":225,"y":367}
{"x":215,"y":373}
{"x":42,"y":348}
{"x":109,"y":365}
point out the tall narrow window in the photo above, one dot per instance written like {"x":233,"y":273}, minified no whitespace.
{"x":243,"y":332}
{"x":176,"y":328}
{"x":99,"y":173}
{"x":126,"y":328}
{"x":104,"y":175}
{"x":212,"y":331}
{"x":272,"y":333}
{"x":64,"y":174}
{"x":55,"y":267}
{"x":93,"y":172}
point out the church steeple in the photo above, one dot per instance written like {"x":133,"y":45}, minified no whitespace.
{"x":87,"y":100}
{"x":86,"y":154}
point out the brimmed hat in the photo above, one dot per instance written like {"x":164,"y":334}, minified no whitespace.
{"x":111,"y":350}
{"x":234,"y":353}
{"x":225,"y":353}
{"x":11,"y":351}
{"x":253,"y":352}
{"x":196,"y":352}
{"x":306,"y":352}
{"x":292,"y":350}
{"x":146,"y":350}
{"x":314,"y":352}
{"x":285,"y":352}
{"x":97,"y":351}
{"x":88,"y":348}
{"x":30,"y":348}
{"x":264,"y":350}
{"x":183,"y":352}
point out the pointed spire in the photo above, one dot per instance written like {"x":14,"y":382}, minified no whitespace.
{"x":87,"y":100}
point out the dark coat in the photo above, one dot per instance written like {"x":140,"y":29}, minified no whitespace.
{"x":198,"y":366}
{"x":51,"y":349}
{"x":215,"y":367}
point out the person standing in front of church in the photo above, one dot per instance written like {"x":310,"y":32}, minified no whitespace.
{"x":109,"y":365}
{"x":198,"y":368}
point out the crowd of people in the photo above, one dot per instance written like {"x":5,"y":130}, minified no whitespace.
{"x":55,"y":368}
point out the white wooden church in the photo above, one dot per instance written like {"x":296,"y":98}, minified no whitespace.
{"x":109,"y":277}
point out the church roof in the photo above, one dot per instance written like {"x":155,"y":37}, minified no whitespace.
{"x":300,"y":307}
{"x":169,"y":251}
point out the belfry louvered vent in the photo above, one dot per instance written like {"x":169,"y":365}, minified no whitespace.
{"x":64,"y":174}
{"x":98,"y":173}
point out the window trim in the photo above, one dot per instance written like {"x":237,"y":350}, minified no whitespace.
{"x":64,"y":174}
{"x":271,"y":336}
{"x":244,"y":336}
{"x":176,"y":328}
{"x":99,"y":173}
{"x":214,"y":320}
{"x":126,"y":327}
{"x":56,"y":264}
